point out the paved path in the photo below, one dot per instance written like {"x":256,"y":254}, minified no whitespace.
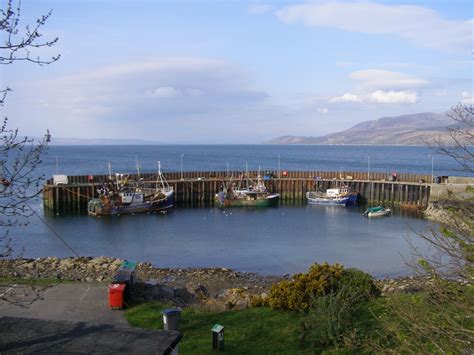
{"x":79,"y":302}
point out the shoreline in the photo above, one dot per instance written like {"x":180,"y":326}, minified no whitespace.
{"x":211,"y":288}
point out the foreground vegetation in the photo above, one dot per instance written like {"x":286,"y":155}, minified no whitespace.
{"x":331,"y":309}
{"x":259,"y":330}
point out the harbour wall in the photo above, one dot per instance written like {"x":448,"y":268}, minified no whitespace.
{"x":197,"y":189}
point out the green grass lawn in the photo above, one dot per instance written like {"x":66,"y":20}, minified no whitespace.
{"x":266,"y":331}
{"x":250,"y":331}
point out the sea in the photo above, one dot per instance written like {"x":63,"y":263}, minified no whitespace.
{"x":280,"y":240}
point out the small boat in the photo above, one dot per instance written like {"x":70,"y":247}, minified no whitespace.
{"x":377,"y":211}
{"x":253,"y":196}
{"x":125,"y":196}
{"x":341,"y":196}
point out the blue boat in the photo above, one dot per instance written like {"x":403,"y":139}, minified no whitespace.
{"x":341,"y":196}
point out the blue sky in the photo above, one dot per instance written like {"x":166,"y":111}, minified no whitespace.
{"x":239,"y":71}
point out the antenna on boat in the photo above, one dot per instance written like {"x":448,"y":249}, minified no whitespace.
{"x":110,"y":171}
{"x":137,"y":164}
{"x":161,"y":180}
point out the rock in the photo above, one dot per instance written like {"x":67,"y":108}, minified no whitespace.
{"x":201,"y":291}
{"x":235,"y":298}
{"x":167,"y":291}
{"x":184,"y":295}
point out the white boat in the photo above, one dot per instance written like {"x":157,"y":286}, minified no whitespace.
{"x":377,"y":211}
{"x":341,"y":196}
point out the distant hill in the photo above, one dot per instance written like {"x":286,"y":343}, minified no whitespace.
{"x":414,"y":129}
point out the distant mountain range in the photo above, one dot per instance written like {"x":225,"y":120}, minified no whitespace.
{"x":413,"y":129}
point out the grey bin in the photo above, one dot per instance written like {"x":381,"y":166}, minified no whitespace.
{"x":123,"y":276}
{"x":171,"y":318}
{"x":217,"y":337}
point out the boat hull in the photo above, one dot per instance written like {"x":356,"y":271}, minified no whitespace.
{"x":329,"y":201}
{"x":346,"y":200}
{"x":381,"y":213}
{"x":97,"y":208}
{"x":269,"y":201}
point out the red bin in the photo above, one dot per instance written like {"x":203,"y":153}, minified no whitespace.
{"x":116,"y":293}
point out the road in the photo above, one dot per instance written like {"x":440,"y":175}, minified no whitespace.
{"x":80,"y":302}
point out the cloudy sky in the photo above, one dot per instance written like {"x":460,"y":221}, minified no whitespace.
{"x":239,"y":71}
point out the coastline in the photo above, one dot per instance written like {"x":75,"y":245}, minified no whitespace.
{"x":211,"y":288}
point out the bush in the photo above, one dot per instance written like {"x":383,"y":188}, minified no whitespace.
{"x":321,"y":279}
{"x":358,"y":283}
{"x":297,"y":293}
{"x":330,"y":318}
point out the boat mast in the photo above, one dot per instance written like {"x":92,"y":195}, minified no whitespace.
{"x":161,"y":180}
{"x":137,"y":164}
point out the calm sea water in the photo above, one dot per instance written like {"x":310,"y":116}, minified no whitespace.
{"x":75,"y":160}
{"x":269,"y":241}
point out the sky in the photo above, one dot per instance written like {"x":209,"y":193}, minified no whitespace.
{"x":217,"y":72}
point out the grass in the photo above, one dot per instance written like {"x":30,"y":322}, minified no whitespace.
{"x":266,"y":331}
{"x":249,"y":331}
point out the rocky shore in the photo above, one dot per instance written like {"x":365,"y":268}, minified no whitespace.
{"x":213,"y":288}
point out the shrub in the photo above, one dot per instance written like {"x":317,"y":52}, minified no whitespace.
{"x":358,"y":283}
{"x":321,"y":279}
{"x":297,"y":293}
{"x":330,"y":318}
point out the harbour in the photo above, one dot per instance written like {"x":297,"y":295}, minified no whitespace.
{"x":197,"y":189}
{"x":275,"y":240}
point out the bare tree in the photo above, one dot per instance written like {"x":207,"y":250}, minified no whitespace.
{"x":460,"y":142}
{"x":440,"y":319}
{"x":19,"y":155}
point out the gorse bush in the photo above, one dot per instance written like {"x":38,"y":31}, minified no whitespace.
{"x":298,"y":293}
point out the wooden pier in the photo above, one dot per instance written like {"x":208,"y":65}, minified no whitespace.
{"x":197,"y":189}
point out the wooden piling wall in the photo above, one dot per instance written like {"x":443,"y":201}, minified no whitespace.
{"x":197,"y":189}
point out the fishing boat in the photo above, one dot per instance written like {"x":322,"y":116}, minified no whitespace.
{"x":377,"y":211}
{"x":341,"y":196}
{"x":252,"y":196}
{"x":125,"y":196}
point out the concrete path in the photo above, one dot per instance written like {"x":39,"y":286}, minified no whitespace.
{"x":79,"y":302}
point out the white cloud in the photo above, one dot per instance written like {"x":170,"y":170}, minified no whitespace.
{"x":467,"y":97}
{"x":417,"y":24}
{"x":165,"y":92}
{"x":347,"y":97}
{"x":322,"y":110}
{"x":144,"y":97}
{"x":393,"y":97}
{"x":385,"y":79}
{"x":379,"y":97}
{"x":257,"y":9}
{"x":383,"y":87}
